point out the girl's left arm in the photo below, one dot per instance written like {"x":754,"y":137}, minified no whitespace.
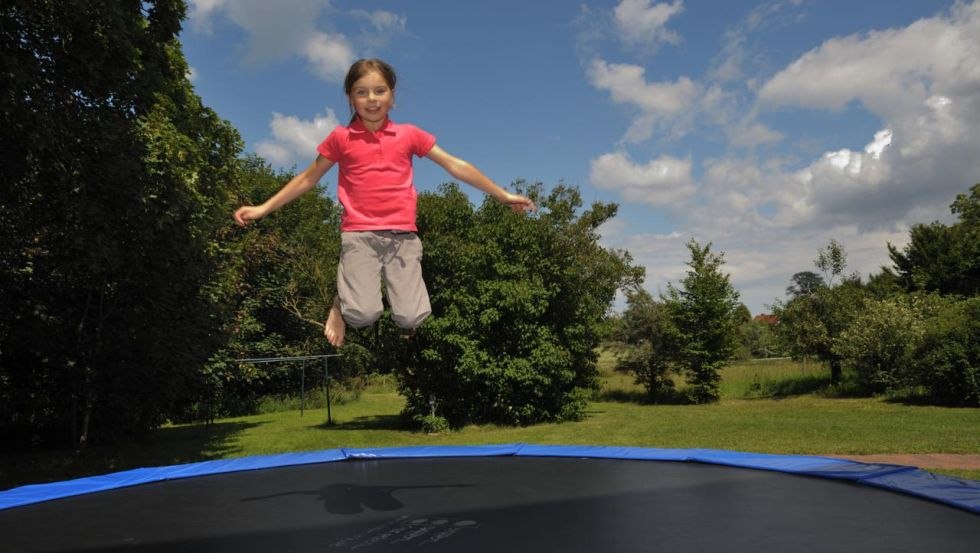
{"x":466,"y":172}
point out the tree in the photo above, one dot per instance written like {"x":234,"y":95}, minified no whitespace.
{"x":811,"y":324}
{"x":880,"y":344}
{"x":517,"y":306}
{"x":804,"y":284}
{"x":702,"y":322}
{"x":941,"y":258}
{"x":644,"y":350}
{"x":111,"y":216}
{"x":281,"y":285}
{"x":757,"y":339}
{"x":948,"y":359}
{"x":831,"y":260}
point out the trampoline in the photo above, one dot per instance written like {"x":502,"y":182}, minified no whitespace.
{"x":519,"y":498}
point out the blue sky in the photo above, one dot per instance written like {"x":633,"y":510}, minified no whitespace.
{"x":767,"y":128}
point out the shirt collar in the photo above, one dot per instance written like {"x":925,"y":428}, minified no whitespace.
{"x":358,"y":127}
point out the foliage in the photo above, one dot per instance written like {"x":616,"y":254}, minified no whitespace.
{"x":917,"y":341}
{"x":757,"y":339}
{"x":643,"y":345}
{"x":804,"y":283}
{"x":282,"y":281}
{"x":811,"y":324}
{"x":831,"y":260}
{"x":431,"y":424}
{"x":112,"y":212}
{"x":701,"y":322}
{"x":948,"y":358}
{"x":517,"y":303}
{"x":881,"y":343}
{"x":941,"y":258}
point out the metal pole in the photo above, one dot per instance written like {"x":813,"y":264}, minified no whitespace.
{"x":326,"y":383}
{"x":302,"y":389}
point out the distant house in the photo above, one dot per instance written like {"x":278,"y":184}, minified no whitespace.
{"x":764,"y":318}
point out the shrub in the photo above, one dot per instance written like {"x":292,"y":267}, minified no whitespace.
{"x":949,"y":354}
{"x":517,"y":304}
{"x":880,"y":344}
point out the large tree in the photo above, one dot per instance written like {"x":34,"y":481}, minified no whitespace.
{"x":517,"y":305}
{"x":281,"y":285}
{"x":944,"y":258}
{"x":111,"y":210}
{"x":702,"y":316}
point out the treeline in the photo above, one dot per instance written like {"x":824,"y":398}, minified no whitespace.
{"x":129,"y":297}
{"x":911,"y":330}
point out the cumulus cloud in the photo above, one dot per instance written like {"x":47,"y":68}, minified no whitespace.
{"x":771,"y":213}
{"x":329,"y":56}
{"x":890,"y":72}
{"x":642,"y":22}
{"x":923,"y":82}
{"x":294,"y":140}
{"x":659,"y":102}
{"x":382,"y":21}
{"x":662,"y":181}
{"x":277,"y":31}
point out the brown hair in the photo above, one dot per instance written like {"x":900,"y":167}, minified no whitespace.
{"x":363,"y":67}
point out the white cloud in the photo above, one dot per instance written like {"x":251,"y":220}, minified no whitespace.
{"x":771,"y":210}
{"x":201,"y":13}
{"x":294,"y":141}
{"x":890,"y":72}
{"x":280,"y":30}
{"x":923,"y":82}
{"x":329,"y":56}
{"x":660,"y":182}
{"x":657,"y":103}
{"x":644,"y":23}
{"x":382,"y":21}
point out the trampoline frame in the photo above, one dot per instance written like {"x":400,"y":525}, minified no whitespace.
{"x":955,"y":492}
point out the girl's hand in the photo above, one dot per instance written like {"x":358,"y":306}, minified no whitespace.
{"x":248,"y":213}
{"x":519,"y":203}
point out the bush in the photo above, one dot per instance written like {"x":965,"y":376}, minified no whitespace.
{"x":880,"y":345}
{"x":949,"y":354}
{"x":517,"y":305}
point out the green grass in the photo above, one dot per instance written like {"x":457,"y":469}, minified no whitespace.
{"x":769,"y":407}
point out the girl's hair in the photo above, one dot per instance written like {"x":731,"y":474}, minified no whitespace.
{"x":363,"y":67}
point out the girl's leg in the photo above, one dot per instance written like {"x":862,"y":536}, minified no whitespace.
{"x":335,"y":329}
{"x":359,"y":278}
{"x":402,"y":271}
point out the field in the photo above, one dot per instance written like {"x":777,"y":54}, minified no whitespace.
{"x":767,"y":406}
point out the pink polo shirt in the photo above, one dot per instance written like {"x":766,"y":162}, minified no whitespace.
{"x":374,"y":182}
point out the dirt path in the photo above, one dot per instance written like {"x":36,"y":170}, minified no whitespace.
{"x":920,"y":460}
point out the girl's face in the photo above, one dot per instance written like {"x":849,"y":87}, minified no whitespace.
{"x":372,"y":99}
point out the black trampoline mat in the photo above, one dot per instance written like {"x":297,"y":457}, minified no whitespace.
{"x":493,"y":504}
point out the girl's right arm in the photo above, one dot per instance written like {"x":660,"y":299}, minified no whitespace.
{"x":293,"y":189}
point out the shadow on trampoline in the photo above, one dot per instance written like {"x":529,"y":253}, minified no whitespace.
{"x":352,"y":499}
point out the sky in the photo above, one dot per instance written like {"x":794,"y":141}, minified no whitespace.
{"x":765,"y":128}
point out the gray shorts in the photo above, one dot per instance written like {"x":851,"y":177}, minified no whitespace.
{"x":368,"y":257}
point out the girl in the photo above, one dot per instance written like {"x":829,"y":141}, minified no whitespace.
{"x":375,"y":187}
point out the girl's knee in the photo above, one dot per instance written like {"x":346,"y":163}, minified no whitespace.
{"x":409,"y":322}
{"x":360,"y":319}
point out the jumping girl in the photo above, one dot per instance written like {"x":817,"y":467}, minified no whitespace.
{"x":376,"y":190}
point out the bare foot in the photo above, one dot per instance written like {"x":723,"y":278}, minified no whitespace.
{"x":335,"y":328}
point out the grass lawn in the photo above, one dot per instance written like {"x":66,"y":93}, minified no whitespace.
{"x":769,"y":407}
